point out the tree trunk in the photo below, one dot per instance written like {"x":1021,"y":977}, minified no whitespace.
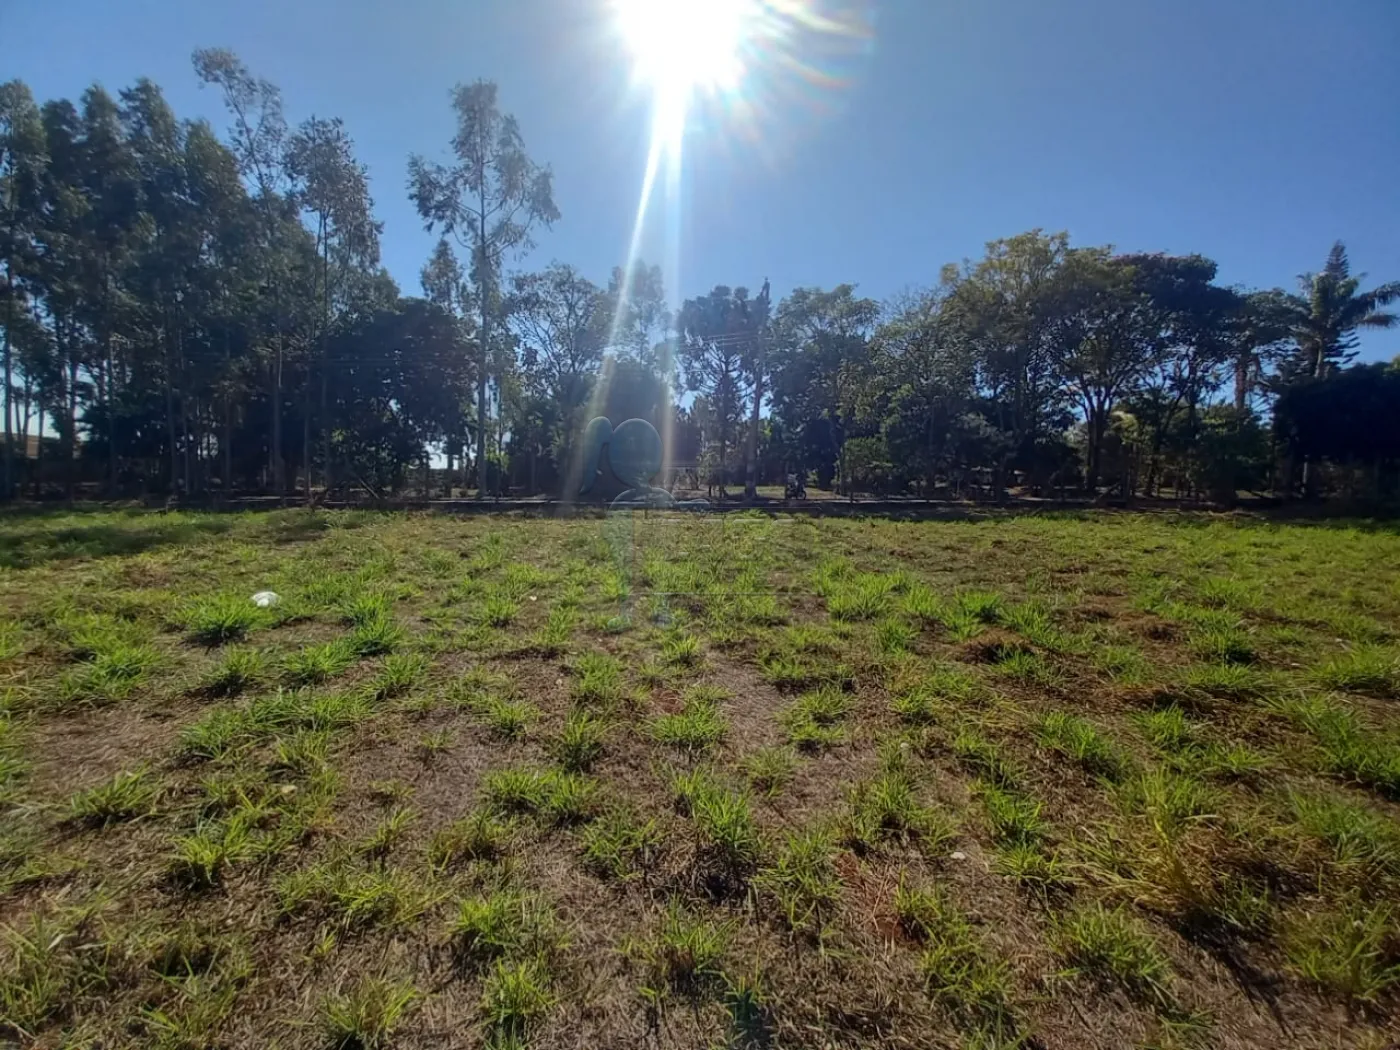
{"x":186,"y":451}
{"x":481,"y":420}
{"x":71,"y":452}
{"x":751,"y":456}
{"x":484,"y":290}
{"x":110,"y":385}
{"x":1242,"y":370}
{"x":170,"y":410}
{"x":279,"y":483}
{"x":39,"y":452}
{"x":9,"y":467}
{"x":306,"y":434}
{"x":323,"y":420}
{"x":1096,"y":432}
{"x":228,"y":420}
{"x":723,"y":449}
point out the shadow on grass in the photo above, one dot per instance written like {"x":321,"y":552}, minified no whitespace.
{"x":29,"y":538}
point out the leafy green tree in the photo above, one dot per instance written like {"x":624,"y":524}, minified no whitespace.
{"x":62,"y":266}
{"x":919,"y":388}
{"x":718,"y":336}
{"x":1260,"y":336}
{"x":819,"y":359}
{"x":636,"y":303}
{"x":1004,"y":310}
{"x":1196,"y":319}
{"x":258,"y":132}
{"x":445,"y":285}
{"x":1349,"y":418}
{"x":23,"y":156}
{"x":162,"y":276}
{"x":489,"y":199}
{"x":757,"y":315}
{"x":561,"y":323}
{"x":400,"y":373}
{"x":333,"y":187}
{"x":107,"y":234}
{"x":1331,"y":310}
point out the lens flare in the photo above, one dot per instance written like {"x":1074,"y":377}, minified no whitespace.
{"x":751,"y":64}
{"x":683,"y":45}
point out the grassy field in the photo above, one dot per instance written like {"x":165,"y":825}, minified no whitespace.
{"x":1091,"y":781}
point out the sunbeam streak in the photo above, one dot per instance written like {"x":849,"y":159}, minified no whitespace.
{"x":737,"y":57}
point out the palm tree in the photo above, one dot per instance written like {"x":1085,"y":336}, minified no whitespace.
{"x":1331,"y":309}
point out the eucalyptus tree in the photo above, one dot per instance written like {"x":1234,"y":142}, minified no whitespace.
{"x":258,"y":132}
{"x":328,"y":183}
{"x":489,"y":198}
{"x":22,"y":161}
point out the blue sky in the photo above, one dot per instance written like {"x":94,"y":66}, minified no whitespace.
{"x":1252,"y":131}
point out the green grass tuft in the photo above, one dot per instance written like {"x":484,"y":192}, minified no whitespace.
{"x":1348,"y":748}
{"x":1167,"y":729}
{"x":885,"y":808}
{"x":203,"y":857}
{"x":813,"y":720}
{"x":769,"y":769}
{"x":580,"y":742}
{"x":684,"y":955}
{"x":982,"y":755}
{"x":1034,"y":868}
{"x":619,"y":846}
{"x":237,"y":671}
{"x":480,"y":835}
{"x":1014,"y":819}
{"x":698,"y":727}
{"x":375,"y":637}
{"x":354,"y":898}
{"x":222,"y":618}
{"x":498,"y":612}
{"x":399,"y":673}
{"x":318,"y":663}
{"x":923,"y":605}
{"x":1372,"y":670}
{"x":984,"y":607}
{"x":962,"y":974}
{"x":501,"y":923}
{"x":1081,"y":741}
{"x":895,"y":636}
{"x":564,"y":798}
{"x":802,"y":880}
{"x":365,"y":1017}
{"x":113,"y":675}
{"x":126,"y":796}
{"x":1359,"y":836}
{"x":598,"y":679}
{"x":1223,"y":645}
{"x":1116,"y":948}
{"x":681,"y":650}
{"x":1352,"y":954}
{"x":515,"y":996}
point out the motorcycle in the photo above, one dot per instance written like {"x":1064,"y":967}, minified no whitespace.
{"x":796,"y":487}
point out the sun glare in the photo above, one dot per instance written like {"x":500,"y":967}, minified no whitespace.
{"x":682,"y":46}
{"x":732,"y":68}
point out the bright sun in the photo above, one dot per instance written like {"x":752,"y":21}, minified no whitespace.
{"x":684,"y":46}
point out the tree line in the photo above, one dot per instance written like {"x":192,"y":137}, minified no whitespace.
{"x":190,"y":314}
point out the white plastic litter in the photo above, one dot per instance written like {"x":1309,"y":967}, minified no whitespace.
{"x":959,"y":855}
{"x":266,"y":599}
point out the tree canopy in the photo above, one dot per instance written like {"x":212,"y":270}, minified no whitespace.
{"x":188,"y":313}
